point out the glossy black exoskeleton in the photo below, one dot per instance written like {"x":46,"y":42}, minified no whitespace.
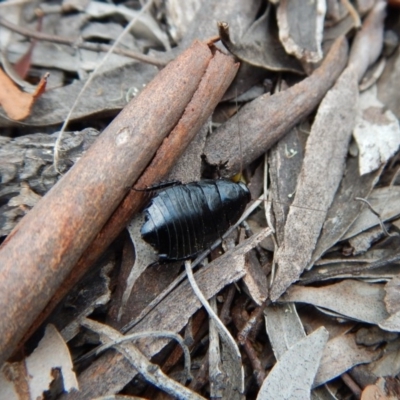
{"x":181,"y":221}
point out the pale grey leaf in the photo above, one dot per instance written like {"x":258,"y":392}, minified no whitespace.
{"x":293,"y":375}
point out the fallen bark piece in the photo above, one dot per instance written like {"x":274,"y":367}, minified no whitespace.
{"x":268,"y":118}
{"x":61,"y":226}
{"x":321,"y":173}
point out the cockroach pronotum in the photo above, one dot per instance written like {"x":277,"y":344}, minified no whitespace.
{"x":183,"y":220}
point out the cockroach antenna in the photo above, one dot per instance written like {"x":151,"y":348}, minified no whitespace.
{"x":240,"y":137}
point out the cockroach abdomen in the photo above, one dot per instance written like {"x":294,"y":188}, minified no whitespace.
{"x":183,"y":220}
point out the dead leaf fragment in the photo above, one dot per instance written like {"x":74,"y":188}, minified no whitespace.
{"x":377,"y":132}
{"x":15,"y":103}
{"x":357,"y":300}
{"x":260,"y":45}
{"x":36,"y":371}
{"x":341,"y":354}
{"x":321,"y":173}
{"x":367,"y":45}
{"x":301,"y":25}
{"x":293,"y":375}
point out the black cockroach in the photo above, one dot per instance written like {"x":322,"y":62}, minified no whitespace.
{"x":185,"y":219}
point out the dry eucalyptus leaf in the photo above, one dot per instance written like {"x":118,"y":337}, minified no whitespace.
{"x":363,"y":241}
{"x":387,"y":92}
{"x":377,"y":132}
{"x":285,"y":160}
{"x":341,"y":354}
{"x":260,"y":45}
{"x":350,"y":298}
{"x":320,"y":176}
{"x":52,"y":352}
{"x":255,"y":280}
{"x":392,"y":302}
{"x":392,"y":298}
{"x":179,"y":16}
{"x":144,"y":256}
{"x":367,"y":44}
{"x":389,"y":363}
{"x":301,"y":25}
{"x":385,"y":202}
{"x":238,"y":14}
{"x":145,"y":27}
{"x":226,"y":371}
{"x":344,"y":209}
{"x":293,"y":375}
{"x":284,"y":327}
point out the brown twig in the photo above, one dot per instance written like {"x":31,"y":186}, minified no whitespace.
{"x":258,"y":369}
{"x":254,"y":319}
{"x":97,"y":47}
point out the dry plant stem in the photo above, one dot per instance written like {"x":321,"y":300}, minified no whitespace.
{"x":255,"y":317}
{"x":151,"y":372}
{"x":255,"y":362}
{"x":348,"y":380}
{"x":97,"y":47}
{"x":218,"y":76}
{"x":225,"y":310}
{"x":151,"y":334}
{"x":56,"y":232}
{"x":268,"y":117}
{"x":197,"y":331}
{"x":223,"y":332}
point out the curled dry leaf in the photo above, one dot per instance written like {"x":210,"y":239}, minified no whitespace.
{"x":260,"y":45}
{"x":17,"y":104}
{"x":301,"y":25}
